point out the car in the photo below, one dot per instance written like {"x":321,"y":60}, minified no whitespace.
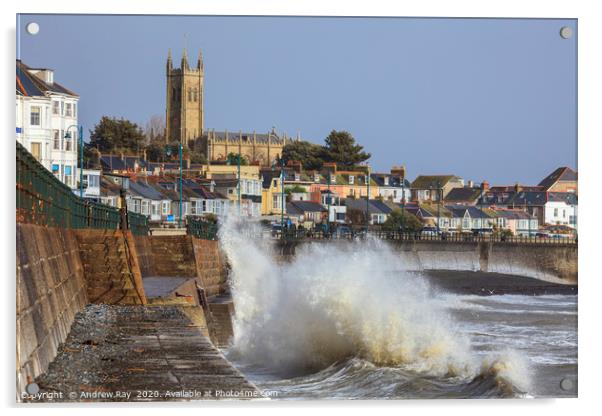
{"x":429,"y":231}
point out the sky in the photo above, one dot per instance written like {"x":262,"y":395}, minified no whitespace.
{"x":484,"y":99}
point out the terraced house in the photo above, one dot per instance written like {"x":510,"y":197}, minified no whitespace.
{"x":46,"y":122}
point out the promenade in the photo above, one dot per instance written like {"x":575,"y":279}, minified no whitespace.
{"x":138,"y":353}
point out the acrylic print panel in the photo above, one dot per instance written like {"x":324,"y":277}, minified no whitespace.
{"x":221,"y":207}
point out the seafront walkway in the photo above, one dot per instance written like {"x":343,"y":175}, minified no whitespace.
{"x":139,"y":353}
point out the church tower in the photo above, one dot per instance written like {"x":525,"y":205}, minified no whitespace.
{"x":184,"y":114}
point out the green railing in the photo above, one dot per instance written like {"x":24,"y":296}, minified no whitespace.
{"x":138,"y":223}
{"x":200,"y":228}
{"x":44,"y":200}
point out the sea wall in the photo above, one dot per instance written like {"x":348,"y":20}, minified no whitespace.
{"x":548,"y":262}
{"x":51,"y":289}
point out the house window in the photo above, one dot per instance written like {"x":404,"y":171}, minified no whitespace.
{"x":55,"y":108}
{"x":351,"y":179}
{"x":165,"y":208}
{"x":55,"y":169}
{"x":62,"y":108}
{"x":155,"y":208}
{"x":564,"y":213}
{"x":555,"y":212}
{"x":34,"y":118}
{"x":68,"y":112}
{"x":136,"y":206}
{"x":56,"y":142}
{"x":74,"y":110}
{"x":275,"y":204}
{"x":67,"y":143}
{"x":36,"y":150}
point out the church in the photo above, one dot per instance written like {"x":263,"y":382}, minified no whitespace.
{"x":185,"y":120}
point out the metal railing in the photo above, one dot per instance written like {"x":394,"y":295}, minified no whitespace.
{"x":200,"y":228}
{"x":302,"y":234}
{"x":44,"y":200}
{"x":138,"y":223}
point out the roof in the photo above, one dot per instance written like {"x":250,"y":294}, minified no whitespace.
{"x":430,"y":181}
{"x":568,"y":197}
{"x":30,"y":85}
{"x":465,"y":194}
{"x":145,"y":190}
{"x":394,"y":180}
{"x":374,"y":207}
{"x":300,"y":207}
{"x":515,"y":214}
{"x":562,"y":174}
{"x":460,"y":211}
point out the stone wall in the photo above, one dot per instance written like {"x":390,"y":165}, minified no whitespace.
{"x":173,"y":255}
{"x":50,"y":291}
{"x":145,"y":255}
{"x":111,"y":267}
{"x":210,"y":265}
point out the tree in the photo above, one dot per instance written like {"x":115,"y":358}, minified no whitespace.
{"x":232,"y":159}
{"x":154,"y":129}
{"x":341,"y":149}
{"x":310,"y":155}
{"x":356,"y":216}
{"x":112,"y":134}
{"x":398,"y":219}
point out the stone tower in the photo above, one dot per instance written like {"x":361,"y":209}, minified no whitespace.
{"x":184,"y":113}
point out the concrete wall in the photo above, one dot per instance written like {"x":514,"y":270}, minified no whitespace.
{"x":549,"y":262}
{"x":50,"y":291}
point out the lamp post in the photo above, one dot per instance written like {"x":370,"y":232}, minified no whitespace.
{"x":168,"y":151}
{"x":282,"y":194}
{"x":403,"y":203}
{"x":238,"y":182}
{"x":81,"y":155}
{"x":180,"y":213}
{"x":328,"y":195}
{"x":368,"y":200}
{"x":439,"y":196}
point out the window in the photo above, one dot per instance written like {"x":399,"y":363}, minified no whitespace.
{"x":189,"y":94}
{"x":34,"y":118}
{"x":144,"y":207}
{"x":67,"y":143}
{"x":55,"y":108}
{"x":56,"y":140}
{"x":555,"y":212}
{"x":165,"y":208}
{"x":275,"y":204}
{"x":62,"y":108}
{"x":154,"y":208}
{"x":75,"y":110}
{"x":564,"y":213}
{"x":68,"y":112}
{"x":196,"y":95}
{"x":351,"y":179}
{"x":55,"y":169}
{"x":36,"y":150}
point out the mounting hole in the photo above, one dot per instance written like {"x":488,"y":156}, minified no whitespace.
{"x":566,"y":32}
{"x":566,"y":384}
{"x":32,"y":388}
{"x":32,"y":28}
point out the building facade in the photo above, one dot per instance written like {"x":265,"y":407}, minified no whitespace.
{"x":46,"y":121}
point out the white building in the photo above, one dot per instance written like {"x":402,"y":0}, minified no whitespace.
{"x":46,"y":121}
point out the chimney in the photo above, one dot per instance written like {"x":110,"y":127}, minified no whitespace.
{"x":329,"y":167}
{"x":399,"y":171}
{"x":46,"y":75}
{"x":295,"y":165}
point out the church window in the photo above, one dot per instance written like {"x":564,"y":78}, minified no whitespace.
{"x":189,"y":94}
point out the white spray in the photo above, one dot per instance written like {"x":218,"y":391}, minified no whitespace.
{"x":338,"y":300}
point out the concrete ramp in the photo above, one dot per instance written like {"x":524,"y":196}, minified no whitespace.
{"x":138,"y":353}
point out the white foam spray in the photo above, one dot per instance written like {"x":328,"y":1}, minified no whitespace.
{"x":339,"y":300}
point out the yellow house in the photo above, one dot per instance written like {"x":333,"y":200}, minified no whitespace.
{"x":271,"y":195}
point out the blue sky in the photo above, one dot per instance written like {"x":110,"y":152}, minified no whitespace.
{"x":491,"y":99}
